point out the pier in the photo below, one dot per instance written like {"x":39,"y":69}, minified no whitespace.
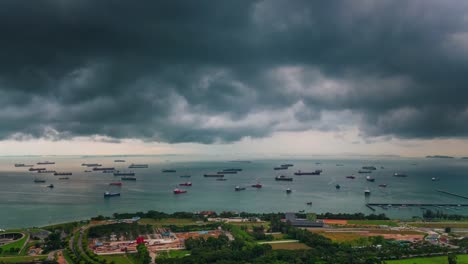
{"x":370,"y":207}
{"x":453,"y":194}
{"x":416,"y":204}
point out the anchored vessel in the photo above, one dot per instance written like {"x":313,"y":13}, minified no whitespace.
{"x":257,"y":185}
{"x":45,"y":163}
{"x":111,"y":194}
{"x":91,"y":165}
{"x":316,"y":172}
{"x":369,"y":178}
{"x":138,"y":166}
{"x":36,"y":169}
{"x":238,"y":188}
{"x":283,"y":178}
{"x":123,"y":173}
{"x":351,"y":177}
{"x":186,"y":184}
{"x":128,"y":178}
{"x":116,"y":183}
{"x":104,"y":169}
{"x":179,"y":191}
{"x":214,"y":175}
{"x":396,"y":174}
{"x":62,"y":173}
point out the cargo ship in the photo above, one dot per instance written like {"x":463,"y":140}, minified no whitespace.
{"x":62,"y":173}
{"x":364,"y":171}
{"x":22,"y":165}
{"x":227,"y":172}
{"x":257,"y":185}
{"x":119,"y":160}
{"x":37,"y":169}
{"x":128,"y":179}
{"x":116,"y":183}
{"x":123,"y":173}
{"x":46,"y":171}
{"x":111,"y":194}
{"x":91,"y":165}
{"x":369,"y":168}
{"x":45,"y":163}
{"x":185,"y":176}
{"x":169,"y":171}
{"x":179,"y":191}
{"x":280,"y":168}
{"x":316,"y":172}
{"x":39,"y":180}
{"x":396,"y":174}
{"x":369,"y":178}
{"x":233,"y":169}
{"x":138,"y":166}
{"x":383,"y":185}
{"x":283,"y":178}
{"x":186,"y":184}
{"x":63,"y":178}
{"x":351,"y":177}
{"x":238,"y":188}
{"x":104,"y":169}
{"x":214,"y":175}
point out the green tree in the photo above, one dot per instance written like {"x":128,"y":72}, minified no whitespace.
{"x":452,"y":258}
{"x":143,"y":254}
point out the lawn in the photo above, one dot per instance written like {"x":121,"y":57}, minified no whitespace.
{"x":174,"y":254}
{"x":18,"y":259}
{"x":434,"y":260}
{"x":372,"y":222}
{"x":118,"y":259}
{"x":290,"y":246}
{"x":341,"y":236}
{"x":168,"y":221}
{"x":16,"y":244}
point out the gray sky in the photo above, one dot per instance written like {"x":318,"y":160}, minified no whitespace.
{"x":318,"y":77}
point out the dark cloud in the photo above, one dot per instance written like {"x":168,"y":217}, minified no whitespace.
{"x":217,"y":71}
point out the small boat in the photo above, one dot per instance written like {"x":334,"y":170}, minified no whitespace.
{"x":39,"y":180}
{"x":238,"y":188}
{"x":227,"y":172}
{"x":366,"y":192}
{"x":87,"y":171}
{"x":383,"y":185}
{"x":369,"y":178}
{"x":283,"y":178}
{"x":337,"y":186}
{"x":185,"y":176}
{"x":63,"y":178}
{"x":179,"y":191}
{"x":351,"y":177}
{"x":186,"y":184}
{"x":168,"y":171}
{"x":257,"y":185}
{"x":288,"y":190}
{"x":50,"y":186}
{"x":364,"y":171}
{"x":396,"y":174}
{"x":309,"y":203}
{"x":301,"y":211}
{"x":280,"y":168}
{"x":111,"y":194}
{"x":221,"y":179}
{"x":382,"y":167}
{"x":128,"y":179}
{"x":435,"y":179}
{"x":116,"y":183}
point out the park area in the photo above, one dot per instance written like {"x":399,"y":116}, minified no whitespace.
{"x":461,"y":259}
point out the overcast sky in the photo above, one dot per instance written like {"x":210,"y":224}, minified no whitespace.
{"x":307,"y":77}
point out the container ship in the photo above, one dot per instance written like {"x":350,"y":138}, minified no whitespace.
{"x":46,"y":171}
{"x":91,"y":165}
{"x":283,"y":178}
{"x":186,"y":184}
{"x":138,"y":166}
{"x":62,"y":173}
{"x":128,"y":179}
{"x":45,"y":163}
{"x":179,"y":191}
{"x":123,"y":173}
{"x":316,"y":172}
{"x":169,"y":171}
{"x":111,"y":194}
{"x":214,"y":175}
{"x":37,"y":169}
{"x":104,"y":169}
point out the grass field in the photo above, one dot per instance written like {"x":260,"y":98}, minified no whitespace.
{"x":372,"y":222}
{"x":461,"y":259}
{"x":440,"y":224}
{"x":342,"y":236}
{"x":174,"y":254}
{"x":168,"y":221}
{"x":16,"y":244}
{"x":118,"y":259}
{"x":290,"y":246}
{"x":18,"y":259}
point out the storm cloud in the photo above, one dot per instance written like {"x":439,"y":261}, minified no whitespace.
{"x":218,"y":71}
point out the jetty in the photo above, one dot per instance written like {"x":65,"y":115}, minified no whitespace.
{"x":370,"y":207}
{"x":453,"y":194}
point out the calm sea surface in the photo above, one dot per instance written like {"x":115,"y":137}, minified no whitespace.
{"x":24,"y":203}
